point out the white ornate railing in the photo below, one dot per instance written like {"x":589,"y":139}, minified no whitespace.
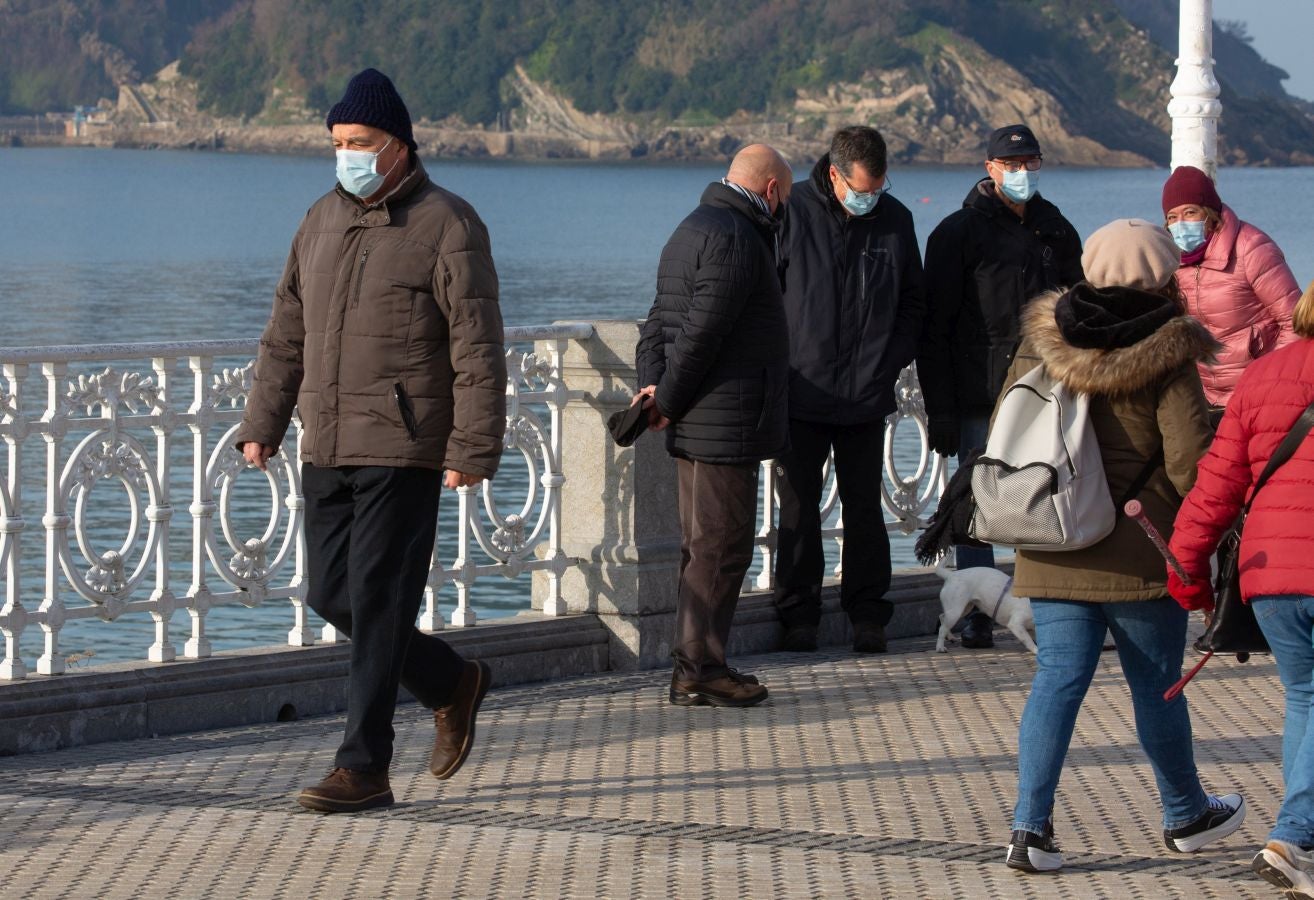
{"x":907,"y":498}
{"x":158,"y":421}
{"x":121,"y":423}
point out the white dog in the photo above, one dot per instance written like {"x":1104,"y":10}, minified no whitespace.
{"x":988,"y":590}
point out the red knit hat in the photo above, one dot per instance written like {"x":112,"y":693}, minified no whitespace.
{"x":1188,"y":184}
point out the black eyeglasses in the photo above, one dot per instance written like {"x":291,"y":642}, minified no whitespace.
{"x":1012,"y":165}
{"x":886,"y":184}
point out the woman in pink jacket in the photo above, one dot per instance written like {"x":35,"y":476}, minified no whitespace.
{"x":1234,"y":278}
{"x":1276,"y":563}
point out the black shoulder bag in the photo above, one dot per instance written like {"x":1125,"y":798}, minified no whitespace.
{"x":1233,"y":628}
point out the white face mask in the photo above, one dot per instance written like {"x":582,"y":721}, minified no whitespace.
{"x":358,"y":171}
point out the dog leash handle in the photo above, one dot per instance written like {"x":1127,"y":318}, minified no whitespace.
{"x":1136,"y":512}
{"x":1181,"y":682}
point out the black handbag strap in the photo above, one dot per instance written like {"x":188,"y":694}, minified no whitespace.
{"x":1285,"y":450}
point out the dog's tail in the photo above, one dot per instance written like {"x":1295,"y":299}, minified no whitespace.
{"x":942,"y":567}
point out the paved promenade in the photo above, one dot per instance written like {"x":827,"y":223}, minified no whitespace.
{"x":887,"y":776}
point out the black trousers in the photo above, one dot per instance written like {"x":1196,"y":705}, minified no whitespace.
{"x":718,"y":518}
{"x":865,"y":558}
{"x":369,"y":540}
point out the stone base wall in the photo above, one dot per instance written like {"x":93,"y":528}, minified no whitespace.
{"x":123,"y":701}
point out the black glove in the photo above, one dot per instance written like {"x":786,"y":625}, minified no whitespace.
{"x":942,"y":434}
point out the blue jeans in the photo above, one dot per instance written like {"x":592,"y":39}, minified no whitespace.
{"x":1288,"y":623}
{"x":1151,"y":635}
{"x":972,"y":434}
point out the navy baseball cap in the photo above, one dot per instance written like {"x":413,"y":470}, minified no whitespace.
{"x":1012,"y":140}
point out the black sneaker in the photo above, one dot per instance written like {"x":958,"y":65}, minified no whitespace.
{"x":1031,"y":852}
{"x":1221,"y":817}
{"x":868,"y":637}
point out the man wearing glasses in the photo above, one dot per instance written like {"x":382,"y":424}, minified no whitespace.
{"x":854,"y":302}
{"x":983,"y":263}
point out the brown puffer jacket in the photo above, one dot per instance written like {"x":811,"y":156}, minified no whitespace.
{"x":386,"y":333}
{"x":1143,"y":397}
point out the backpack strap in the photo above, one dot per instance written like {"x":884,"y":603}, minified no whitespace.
{"x":1285,"y":450}
{"x":1142,"y":478}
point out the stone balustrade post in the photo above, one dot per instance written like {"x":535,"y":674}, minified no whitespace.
{"x":619,"y":506}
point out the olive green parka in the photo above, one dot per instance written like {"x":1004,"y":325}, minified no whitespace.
{"x":1144,"y":397}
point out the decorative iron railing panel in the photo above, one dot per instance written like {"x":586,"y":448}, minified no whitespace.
{"x":201,"y":529}
{"x":158,"y":420}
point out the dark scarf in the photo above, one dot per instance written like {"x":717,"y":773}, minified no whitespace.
{"x":1111,"y":317}
{"x":1196,"y":256}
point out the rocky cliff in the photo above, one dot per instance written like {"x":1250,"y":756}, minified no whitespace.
{"x":680,"y":79}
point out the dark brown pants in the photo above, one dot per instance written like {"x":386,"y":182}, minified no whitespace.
{"x":718,"y":517}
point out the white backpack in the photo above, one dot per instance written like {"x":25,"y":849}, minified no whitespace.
{"x":1040,"y":483}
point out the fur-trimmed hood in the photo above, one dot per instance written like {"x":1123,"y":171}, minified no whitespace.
{"x":1117,"y":370}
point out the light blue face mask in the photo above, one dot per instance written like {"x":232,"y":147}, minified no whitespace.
{"x":1020,"y":186}
{"x":1188,"y":236}
{"x":860,"y":203}
{"x":358,"y":170}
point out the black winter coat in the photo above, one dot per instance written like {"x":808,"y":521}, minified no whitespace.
{"x":854,"y":300}
{"x":715,"y":341}
{"x":982,"y":266}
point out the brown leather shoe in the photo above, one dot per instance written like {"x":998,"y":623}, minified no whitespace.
{"x":726,"y":690}
{"x":455,"y":722}
{"x":345,"y":790}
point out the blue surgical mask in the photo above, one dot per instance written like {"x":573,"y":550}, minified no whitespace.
{"x":1188,"y":236}
{"x":1020,"y":186}
{"x":358,"y":171}
{"x":858,"y":202}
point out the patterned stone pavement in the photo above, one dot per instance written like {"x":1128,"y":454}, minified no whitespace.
{"x":886,"y":776}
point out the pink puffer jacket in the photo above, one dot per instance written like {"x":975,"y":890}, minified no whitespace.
{"x":1243,"y":291}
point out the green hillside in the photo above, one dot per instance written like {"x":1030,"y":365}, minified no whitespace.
{"x":683,"y":62}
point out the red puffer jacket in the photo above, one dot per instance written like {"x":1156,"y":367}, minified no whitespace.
{"x":1243,"y":291}
{"x":1277,"y":546}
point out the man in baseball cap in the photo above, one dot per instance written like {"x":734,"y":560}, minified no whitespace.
{"x":983,"y":263}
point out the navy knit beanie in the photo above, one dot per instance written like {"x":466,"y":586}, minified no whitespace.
{"x":372,"y":100}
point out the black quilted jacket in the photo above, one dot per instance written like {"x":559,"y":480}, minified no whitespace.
{"x":715,"y":342}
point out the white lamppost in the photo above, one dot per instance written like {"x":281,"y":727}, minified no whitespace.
{"x":1195,"y":107}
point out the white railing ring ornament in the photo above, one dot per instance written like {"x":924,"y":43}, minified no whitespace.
{"x":106,"y":455}
{"x":249,"y":564}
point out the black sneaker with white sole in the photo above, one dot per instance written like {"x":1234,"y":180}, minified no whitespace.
{"x":1031,"y":852}
{"x":1221,"y":817}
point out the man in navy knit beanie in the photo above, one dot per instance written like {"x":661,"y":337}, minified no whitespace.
{"x":386,"y":337}
{"x":372,"y":100}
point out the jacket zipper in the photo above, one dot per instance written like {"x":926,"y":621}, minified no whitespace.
{"x":406,"y":411}
{"x":360,"y":277}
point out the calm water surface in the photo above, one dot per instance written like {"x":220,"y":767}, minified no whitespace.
{"x":120,"y":245}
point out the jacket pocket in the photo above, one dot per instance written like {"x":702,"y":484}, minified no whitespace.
{"x":360,"y":277}
{"x":406,"y":410}
{"x":1262,"y":339}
